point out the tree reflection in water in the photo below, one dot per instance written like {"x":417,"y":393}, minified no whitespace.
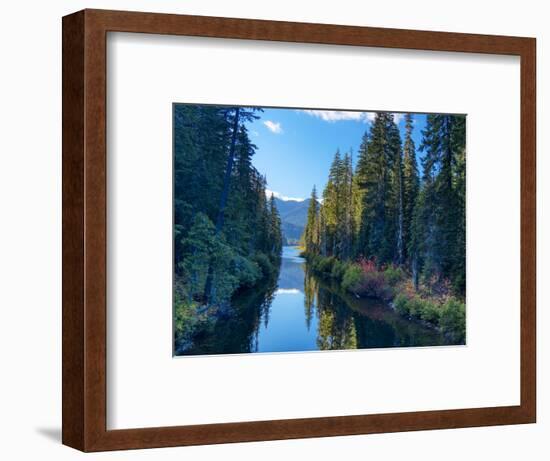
{"x":297,"y":311}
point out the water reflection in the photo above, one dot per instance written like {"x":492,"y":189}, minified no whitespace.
{"x":300,"y":312}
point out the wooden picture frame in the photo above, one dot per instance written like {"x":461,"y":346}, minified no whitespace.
{"x":85,"y":222}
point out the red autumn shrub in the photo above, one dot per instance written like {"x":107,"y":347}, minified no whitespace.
{"x":368,"y":265}
{"x":372,"y":282}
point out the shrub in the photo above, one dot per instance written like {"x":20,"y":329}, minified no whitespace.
{"x":401,"y":304}
{"x":246,"y":271}
{"x":394,"y":275}
{"x":264,"y":264}
{"x":368,"y":265}
{"x":453,"y":320}
{"x":352,"y":277}
{"x":185,"y":319}
{"x":335,"y":270}
{"x":430,"y":312}
{"x":374,"y":284}
{"x":338,"y":270}
{"x":416,"y":305}
{"x":325,"y":265}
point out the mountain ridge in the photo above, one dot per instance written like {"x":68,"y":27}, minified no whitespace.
{"x":293,"y":215}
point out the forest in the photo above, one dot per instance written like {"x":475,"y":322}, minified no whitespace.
{"x":227,"y":232}
{"x":393,"y":226}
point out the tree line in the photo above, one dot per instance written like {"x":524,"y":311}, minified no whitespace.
{"x":227,"y":233}
{"x":387,"y":211}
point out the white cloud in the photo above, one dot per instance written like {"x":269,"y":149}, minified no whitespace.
{"x":274,"y":127}
{"x":288,"y":291}
{"x":336,"y":115}
{"x":254,"y":133}
{"x":278,"y":195}
{"x":371,"y":116}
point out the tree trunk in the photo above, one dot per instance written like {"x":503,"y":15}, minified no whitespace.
{"x":415,"y":272}
{"x":223,"y":201}
{"x":400,"y":246}
{"x":227,"y":177}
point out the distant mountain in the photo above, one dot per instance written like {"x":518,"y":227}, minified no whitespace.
{"x":293,"y":218}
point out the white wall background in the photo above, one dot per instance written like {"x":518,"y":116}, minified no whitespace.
{"x":30,"y":230}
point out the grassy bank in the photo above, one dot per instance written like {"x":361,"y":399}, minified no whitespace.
{"x":432,"y":303}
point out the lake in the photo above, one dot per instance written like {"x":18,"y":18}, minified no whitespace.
{"x":302,"y":312}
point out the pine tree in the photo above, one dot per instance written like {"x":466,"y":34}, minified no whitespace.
{"x":410,"y":186}
{"x":311,"y":288}
{"x":331,"y":209}
{"x":399,"y":257}
{"x":275,"y":235}
{"x":311,"y":231}
{"x":440,"y":217}
{"x":459,"y":177}
{"x":262,"y":221}
{"x":345,"y":195}
{"x":222,"y":221}
{"x":359,"y":191}
{"x":381,"y":177}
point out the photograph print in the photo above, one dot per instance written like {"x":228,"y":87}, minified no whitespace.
{"x":314,"y":230}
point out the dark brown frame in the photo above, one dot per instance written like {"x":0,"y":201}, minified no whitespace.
{"x":84,"y":229}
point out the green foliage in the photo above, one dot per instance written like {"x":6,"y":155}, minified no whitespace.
{"x":440,"y":212}
{"x":362,"y":279}
{"x":453,"y":320}
{"x":401,"y":304}
{"x":227,"y":235}
{"x":394,"y":275}
{"x":196,"y":249}
{"x":411,"y":186}
{"x":450,"y":317}
{"x":185,"y":319}
{"x":381,"y":174}
{"x":265,"y":265}
{"x":225,"y":280}
{"x":336,"y":214}
{"x":351,"y":278}
{"x":275,"y":236}
{"x":247,"y":272}
{"x":324,"y":265}
{"x":382,"y":211}
{"x":430,"y":312}
{"x":338,"y":270}
{"x":311,"y":238}
{"x":416,"y":307}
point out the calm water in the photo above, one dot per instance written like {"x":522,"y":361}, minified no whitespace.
{"x":300,"y":312}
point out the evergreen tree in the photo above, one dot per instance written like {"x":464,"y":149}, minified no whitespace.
{"x":331,"y":206}
{"x":359,"y":191}
{"x":311,"y":231}
{"x":223,"y":224}
{"x":410,"y":186}
{"x":197,"y":248}
{"x":311,"y":288}
{"x":346,"y":225}
{"x":262,"y":222}
{"x":440,"y":214}
{"x":381,"y":177}
{"x":459,"y":176}
{"x":399,"y":257}
{"x":275,"y":235}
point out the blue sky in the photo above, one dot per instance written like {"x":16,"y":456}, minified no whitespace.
{"x":296,"y":148}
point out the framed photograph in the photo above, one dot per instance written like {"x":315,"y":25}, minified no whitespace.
{"x":280,"y":230}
